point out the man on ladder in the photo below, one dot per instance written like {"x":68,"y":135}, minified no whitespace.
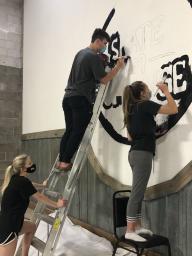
{"x":87,"y":70}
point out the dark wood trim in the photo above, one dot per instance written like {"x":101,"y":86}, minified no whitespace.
{"x":108,"y":180}
{"x":171,"y":186}
{"x":43,"y":135}
{"x":160,"y":190}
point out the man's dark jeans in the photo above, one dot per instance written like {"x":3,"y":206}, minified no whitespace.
{"x":77,"y":112}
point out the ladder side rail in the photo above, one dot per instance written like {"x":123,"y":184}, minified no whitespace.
{"x":75,"y":172}
{"x":70,"y":186}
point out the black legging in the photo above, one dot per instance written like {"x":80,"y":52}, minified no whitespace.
{"x":78,"y":112}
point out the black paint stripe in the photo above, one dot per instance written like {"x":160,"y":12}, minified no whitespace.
{"x":108,"y":20}
{"x":190,"y":1}
{"x":111,"y":131}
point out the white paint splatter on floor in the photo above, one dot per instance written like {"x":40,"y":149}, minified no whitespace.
{"x":77,"y":241}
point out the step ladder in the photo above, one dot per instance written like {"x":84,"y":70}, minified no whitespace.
{"x":48,"y":248}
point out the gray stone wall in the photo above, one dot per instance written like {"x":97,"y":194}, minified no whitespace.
{"x":10,"y":114}
{"x":11,"y":19}
{"x":11,"y":30}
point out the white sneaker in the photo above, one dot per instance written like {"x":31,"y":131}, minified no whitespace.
{"x":144,"y":231}
{"x":133,"y":236}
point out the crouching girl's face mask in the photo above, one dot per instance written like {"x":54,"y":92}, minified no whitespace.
{"x":31,"y":168}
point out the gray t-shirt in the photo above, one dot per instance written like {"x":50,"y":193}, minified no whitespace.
{"x":86,"y":71}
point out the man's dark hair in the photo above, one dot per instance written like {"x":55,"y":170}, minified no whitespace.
{"x":100,"y":34}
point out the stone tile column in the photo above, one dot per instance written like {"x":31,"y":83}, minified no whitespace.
{"x":11,"y":37}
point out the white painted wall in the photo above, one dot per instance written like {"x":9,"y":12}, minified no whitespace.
{"x":154,"y":33}
{"x":53,"y":32}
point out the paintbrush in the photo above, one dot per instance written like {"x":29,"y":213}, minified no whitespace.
{"x":163,"y":81}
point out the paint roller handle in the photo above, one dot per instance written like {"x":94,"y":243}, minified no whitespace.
{"x":162,"y":82}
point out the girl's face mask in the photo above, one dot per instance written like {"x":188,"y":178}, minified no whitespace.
{"x":31,"y":168}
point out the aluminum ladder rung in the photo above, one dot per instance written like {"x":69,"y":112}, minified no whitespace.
{"x":38,"y":244}
{"x":46,"y":218}
{"x":52,"y":193}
